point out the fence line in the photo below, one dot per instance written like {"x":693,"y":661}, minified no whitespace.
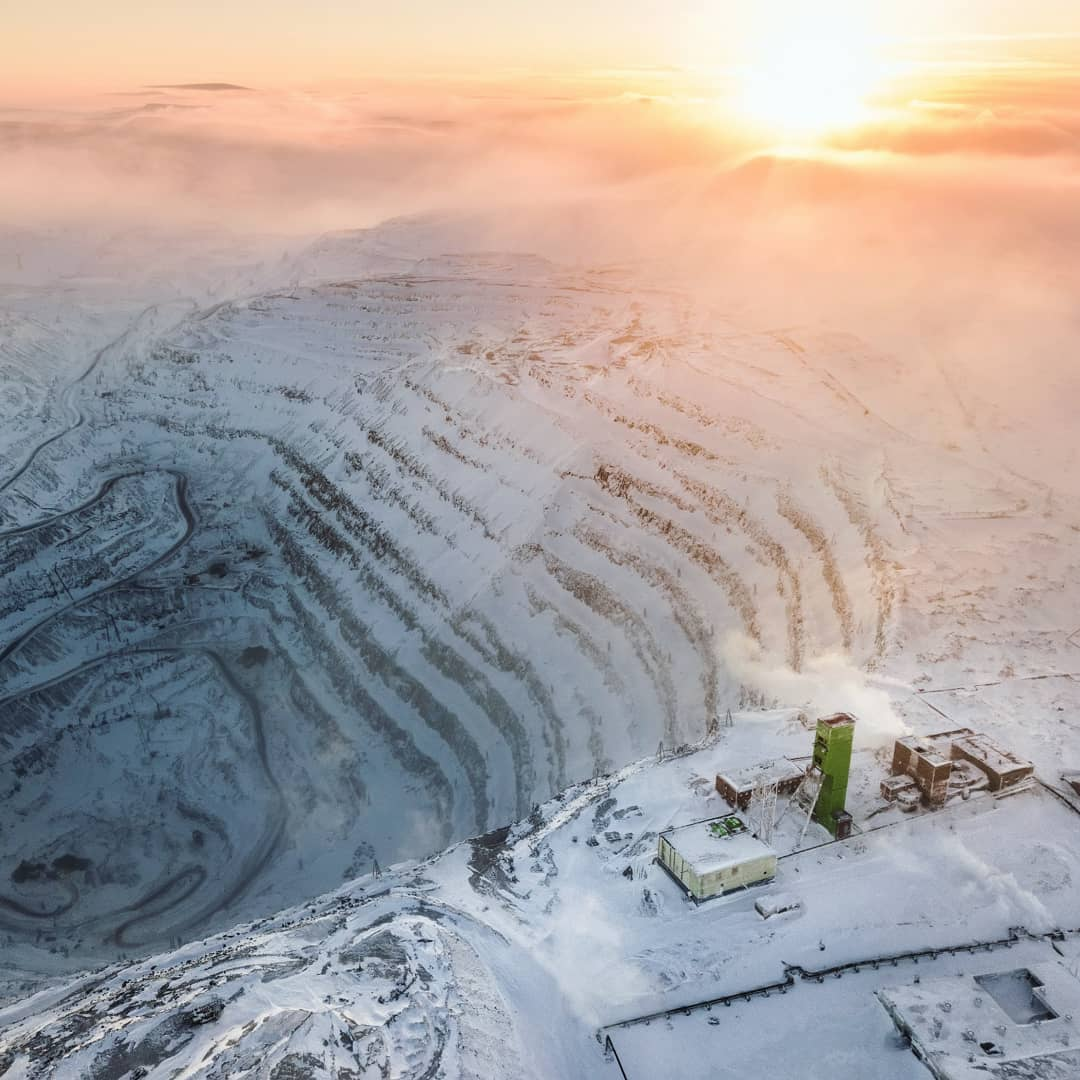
{"x":609,"y":1047}
{"x":794,"y":972}
{"x":797,"y":971}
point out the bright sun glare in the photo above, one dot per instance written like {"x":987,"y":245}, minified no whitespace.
{"x":806,"y":88}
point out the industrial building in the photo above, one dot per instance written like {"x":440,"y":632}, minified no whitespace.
{"x":924,"y":762}
{"x":832,"y":759}
{"x":1003,"y":768}
{"x":738,"y":787}
{"x":931,"y":769}
{"x":716,"y":856}
{"x":1004,"y":1025}
{"x":817,"y":786}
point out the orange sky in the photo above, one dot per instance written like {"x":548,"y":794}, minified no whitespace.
{"x":71,"y":46}
{"x":361,"y":111}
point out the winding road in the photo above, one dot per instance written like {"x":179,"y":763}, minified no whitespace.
{"x":193,"y":876}
{"x":78,"y":418}
{"x":188,"y":880}
{"x":184,"y":507}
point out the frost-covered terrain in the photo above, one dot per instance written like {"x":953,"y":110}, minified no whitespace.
{"x":328,"y":561}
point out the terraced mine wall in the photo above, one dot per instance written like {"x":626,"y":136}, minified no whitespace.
{"x":338,"y":576}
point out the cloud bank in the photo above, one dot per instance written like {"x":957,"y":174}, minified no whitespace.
{"x":944,"y":230}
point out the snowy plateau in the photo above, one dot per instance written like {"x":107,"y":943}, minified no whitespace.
{"x":368,"y":610}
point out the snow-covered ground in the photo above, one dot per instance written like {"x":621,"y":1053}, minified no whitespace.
{"x":505,"y":955}
{"x":325,"y":561}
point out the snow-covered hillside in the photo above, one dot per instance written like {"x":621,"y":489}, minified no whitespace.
{"x":337,"y":573}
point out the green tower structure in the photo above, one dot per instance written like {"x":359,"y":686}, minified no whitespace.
{"x":832,"y":757}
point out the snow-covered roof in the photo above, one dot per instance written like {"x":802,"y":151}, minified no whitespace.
{"x":985,"y":749}
{"x":778,"y":769}
{"x":1015,"y":1023}
{"x":707,"y":852}
{"x":934,"y":748}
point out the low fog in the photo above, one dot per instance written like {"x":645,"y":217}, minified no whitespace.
{"x":941,"y":225}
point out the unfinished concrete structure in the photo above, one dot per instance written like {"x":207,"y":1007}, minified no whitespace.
{"x":1003,"y":1025}
{"x":713,"y":857}
{"x":930,"y":769}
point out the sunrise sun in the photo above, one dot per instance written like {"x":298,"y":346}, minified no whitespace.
{"x":806,"y":88}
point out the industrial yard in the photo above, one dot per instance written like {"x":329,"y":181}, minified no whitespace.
{"x":573,"y":898}
{"x":887,"y":937}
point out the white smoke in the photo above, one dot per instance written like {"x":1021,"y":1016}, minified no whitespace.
{"x":586,"y":952}
{"x":827,"y":684}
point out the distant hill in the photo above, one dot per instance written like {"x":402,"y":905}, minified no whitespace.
{"x":198,"y":86}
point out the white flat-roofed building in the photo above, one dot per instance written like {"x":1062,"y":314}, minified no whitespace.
{"x":1012,"y":1024}
{"x":713,"y":857}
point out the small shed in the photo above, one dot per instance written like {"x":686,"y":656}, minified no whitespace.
{"x":715,"y":856}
